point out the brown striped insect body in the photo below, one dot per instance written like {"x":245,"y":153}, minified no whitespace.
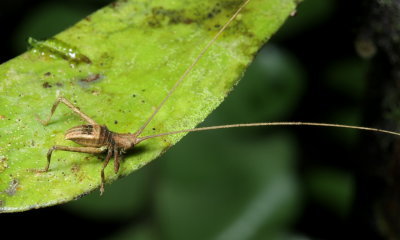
{"x":97,"y":139}
{"x":89,"y":135}
{"x":100,"y":136}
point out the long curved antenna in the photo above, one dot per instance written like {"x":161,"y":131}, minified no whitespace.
{"x":189,"y":69}
{"x":270,"y":124}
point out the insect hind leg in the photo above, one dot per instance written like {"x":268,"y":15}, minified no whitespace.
{"x":69,"y":105}
{"x":90,"y":150}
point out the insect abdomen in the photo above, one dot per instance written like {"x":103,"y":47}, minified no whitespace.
{"x":90,"y":135}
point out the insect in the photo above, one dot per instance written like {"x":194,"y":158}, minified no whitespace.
{"x":97,"y":139}
{"x":54,"y":48}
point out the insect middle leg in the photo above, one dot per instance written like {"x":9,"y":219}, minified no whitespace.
{"x":117,"y":158}
{"x":91,"y":150}
{"x":106,"y":161}
{"x":72,"y":107}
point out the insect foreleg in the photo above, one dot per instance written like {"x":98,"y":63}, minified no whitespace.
{"x":91,"y":150}
{"x":72,"y":107}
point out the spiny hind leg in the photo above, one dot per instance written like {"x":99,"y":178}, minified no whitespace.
{"x":71,"y":106}
{"x":90,"y":150}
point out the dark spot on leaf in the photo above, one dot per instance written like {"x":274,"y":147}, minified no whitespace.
{"x":188,"y":21}
{"x":115,"y":122}
{"x":143,"y":101}
{"x":3,"y":164}
{"x":75,"y":168}
{"x":47,"y":74}
{"x":134,"y":95}
{"x":91,"y":78}
{"x":46,"y":85}
{"x":154,"y":129}
{"x":58,"y":84}
{"x":160,"y":16}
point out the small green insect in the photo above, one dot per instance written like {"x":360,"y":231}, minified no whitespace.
{"x":56,"y":48}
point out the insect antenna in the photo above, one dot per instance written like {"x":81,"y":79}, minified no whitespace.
{"x":189,"y":69}
{"x":270,"y":124}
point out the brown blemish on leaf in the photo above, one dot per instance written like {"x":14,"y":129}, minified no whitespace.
{"x":91,"y":78}
{"x":161,"y":16}
{"x":46,"y":85}
{"x":2,"y":117}
{"x":209,"y":18}
{"x":75,"y":168}
{"x":3,"y":163}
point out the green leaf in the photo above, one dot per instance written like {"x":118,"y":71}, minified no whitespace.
{"x":137,"y":51}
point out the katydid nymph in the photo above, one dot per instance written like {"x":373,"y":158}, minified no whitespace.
{"x":97,"y":139}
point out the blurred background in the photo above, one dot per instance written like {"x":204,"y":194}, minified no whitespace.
{"x":257,"y":183}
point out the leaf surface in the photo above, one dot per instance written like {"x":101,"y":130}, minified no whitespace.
{"x":117,"y":65}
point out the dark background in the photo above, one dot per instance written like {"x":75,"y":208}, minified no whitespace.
{"x":310,"y":71}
